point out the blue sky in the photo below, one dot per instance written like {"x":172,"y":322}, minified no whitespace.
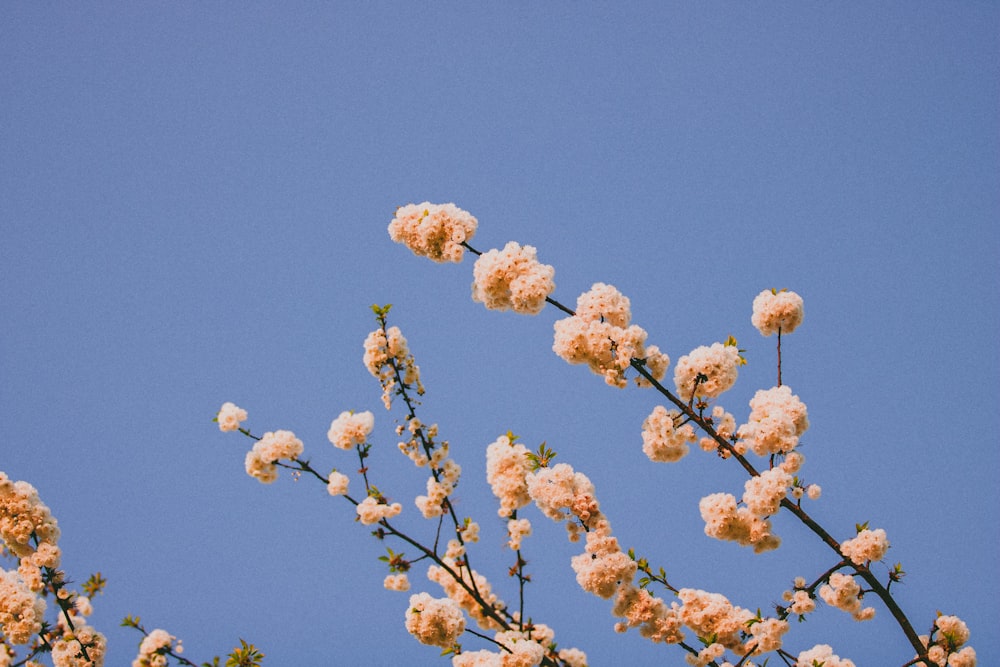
{"x":193,"y":203}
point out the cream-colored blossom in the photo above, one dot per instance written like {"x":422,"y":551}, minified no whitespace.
{"x":337,"y":484}
{"x":66,"y":651}
{"x":777,"y":420}
{"x":153,"y":647}
{"x":512,"y":279}
{"x":434,"y":621}
{"x":707,"y":371}
{"x":397,"y":582}
{"x":273,"y":446}
{"x":462,"y":597}
{"x":663,"y":439}
{"x":844,"y":593}
{"x":230,"y":416}
{"x":22,"y":611}
{"x":712,"y":614}
{"x":435,"y":231}
{"x":821,"y":654}
{"x":868,"y":545}
{"x":507,"y":466}
{"x":775,"y":311}
{"x":370,"y":510}
{"x":600,"y":336}
{"x":351,"y":429}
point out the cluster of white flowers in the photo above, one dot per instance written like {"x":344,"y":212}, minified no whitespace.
{"x":22,"y":611}
{"x":67,"y":650}
{"x":517,"y":530}
{"x":457,"y":592}
{"x":337,"y":483}
{"x":351,"y":429}
{"x":229,"y":417}
{"x":600,"y":336}
{"x":844,"y":593}
{"x":707,"y":371}
{"x":434,"y":621}
{"x":372,"y":510}
{"x":272,"y":447}
{"x":711,"y":614}
{"x":821,"y":654}
{"x":869,"y":545}
{"x":799,"y":600}
{"x":436,"y":231}
{"x":638,"y":608}
{"x":28,"y":530}
{"x":777,"y":420}
{"x":507,"y":467}
{"x":725,"y":520}
{"x":387,"y":356}
{"x":664,"y":436}
{"x":725,"y":426}
{"x":153,"y":648}
{"x":562,"y":493}
{"x":397,"y":582}
{"x":945,"y":645}
{"x":512,"y":279}
{"x":776,"y":311}
{"x":438,"y":490}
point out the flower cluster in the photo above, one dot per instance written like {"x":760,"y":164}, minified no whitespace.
{"x":272,"y":447}
{"x":457,"y":589}
{"x":153,"y":649}
{"x":337,"y":483}
{"x":776,"y":311}
{"x":869,"y":545}
{"x":28,"y":530}
{"x":434,"y":621}
{"x":436,"y":231}
{"x":821,"y":654}
{"x":388,"y":358}
{"x":507,"y":467}
{"x":799,"y":600}
{"x":777,"y":420}
{"x":844,"y":593}
{"x":372,"y":510}
{"x":712,"y":615}
{"x":600,"y":336}
{"x":67,"y":650}
{"x":664,"y":436}
{"x":512,"y":279}
{"x":945,"y":644}
{"x":707,"y":371}
{"x":21,"y":610}
{"x":351,"y":429}
{"x":230,"y":416}
{"x":725,"y":520}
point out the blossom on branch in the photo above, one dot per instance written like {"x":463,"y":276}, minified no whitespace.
{"x":153,"y":647}
{"x":230,"y":416}
{"x":821,"y":654}
{"x":512,"y":279}
{"x":600,"y":336}
{"x":507,"y":467}
{"x":436,"y":231}
{"x":22,"y":611}
{"x":351,"y":429}
{"x":259,"y":462}
{"x":777,"y":420}
{"x":707,"y":371}
{"x":662,"y":439}
{"x":434,"y":621}
{"x":867,"y":546}
{"x":844,"y":593}
{"x":776,"y":311}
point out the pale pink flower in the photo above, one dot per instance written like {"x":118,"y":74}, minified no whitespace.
{"x":512,"y":279}
{"x":434,"y":621}
{"x":397,"y":582}
{"x":777,"y":420}
{"x":230,"y":416}
{"x":372,"y":511}
{"x":867,"y":546}
{"x":662,"y":439}
{"x":21,"y":610}
{"x":844,"y":593}
{"x":351,"y":429}
{"x":707,"y":371}
{"x":821,"y":654}
{"x":775,"y":310}
{"x":337,"y":484}
{"x":436,"y":231}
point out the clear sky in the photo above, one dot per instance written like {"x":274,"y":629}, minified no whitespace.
{"x":193,"y":209}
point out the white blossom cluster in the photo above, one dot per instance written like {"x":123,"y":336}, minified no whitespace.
{"x":230,"y":416}
{"x":821,"y":654}
{"x":665,"y":436}
{"x":600,"y":336}
{"x":272,"y":446}
{"x":388,"y":358}
{"x":507,"y":468}
{"x":28,"y":530}
{"x":350,"y":429}
{"x":945,"y":646}
{"x":154,"y":646}
{"x":776,"y":311}
{"x":844,"y":593}
{"x":867,"y":546}
{"x":22,"y":611}
{"x":66,"y":650}
{"x":707,"y":371}
{"x":434,"y":621}
{"x":436,"y":231}
{"x":512,"y":279}
{"x":777,"y":420}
